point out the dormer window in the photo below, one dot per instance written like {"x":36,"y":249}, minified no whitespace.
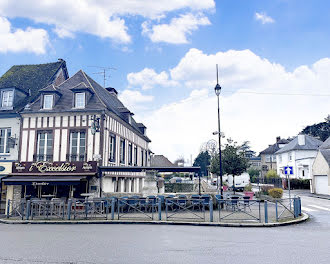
{"x":79,"y":100}
{"x":7,"y":98}
{"x":48,"y":101}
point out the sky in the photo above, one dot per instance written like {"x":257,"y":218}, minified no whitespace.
{"x":161,"y":56}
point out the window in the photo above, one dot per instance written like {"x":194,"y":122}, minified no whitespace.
{"x":112,"y":155}
{"x":80,"y":100}
{"x":130,"y":154}
{"x":77,"y":145}
{"x":48,"y":101}
{"x":142,"y":162}
{"x":5,"y":134}
{"x":45,"y":146}
{"x":146,"y":160}
{"x":122,"y":151}
{"x":280,"y":158}
{"x":290,"y":156}
{"x":135,"y":156}
{"x":7,"y":98}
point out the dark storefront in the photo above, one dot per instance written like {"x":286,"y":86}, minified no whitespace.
{"x":54,"y":179}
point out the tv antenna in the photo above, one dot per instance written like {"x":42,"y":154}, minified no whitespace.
{"x":103,"y":72}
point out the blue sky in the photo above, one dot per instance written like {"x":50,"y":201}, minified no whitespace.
{"x":179,"y":45}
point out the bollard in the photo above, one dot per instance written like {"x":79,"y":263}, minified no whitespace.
{"x":266,"y":212}
{"x":28,"y":209}
{"x":276,"y":212}
{"x":159,"y":209}
{"x":113,"y":204}
{"x":211,"y":209}
{"x":69,"y":209}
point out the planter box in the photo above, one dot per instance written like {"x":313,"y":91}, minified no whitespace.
{"x":250,"y":194}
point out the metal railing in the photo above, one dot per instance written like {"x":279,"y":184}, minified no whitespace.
{"x":196,"y":208}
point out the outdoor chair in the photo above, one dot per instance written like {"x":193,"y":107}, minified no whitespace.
{"x":143,"y":203}
{"x":246,"y":202}
{"x":206,"y":200}
{"x":133,"y":202}
{"x":234,"y":203}
{"x":182,"y":201}
{"x":152,"y":203}
{"x":122,"y":204}
{"x":219,"y":200}
{"x":169,"y":201}
{"x":195,"y":200}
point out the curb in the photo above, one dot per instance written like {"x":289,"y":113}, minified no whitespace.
{"x":301,"y":219}
{"x":319,"y":197}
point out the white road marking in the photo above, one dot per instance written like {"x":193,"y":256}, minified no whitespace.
{"x":307,"y":209}
{"x":320,"y":207}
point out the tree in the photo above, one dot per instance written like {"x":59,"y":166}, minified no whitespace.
{"x":320,"y":130}
{"x":272,"y":174}
{"x":233,"y":159}
{"x":254,"y":174}
{"x":203,"y":161}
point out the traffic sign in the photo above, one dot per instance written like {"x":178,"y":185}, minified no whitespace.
{"x":288,"y":170}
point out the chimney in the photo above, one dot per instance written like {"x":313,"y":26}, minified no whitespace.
{"x":278,"y":139}
{"x":301,"y":139}
{"x":111,"y":90}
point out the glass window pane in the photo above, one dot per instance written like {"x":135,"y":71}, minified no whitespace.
{"x":2,"y":140}
{"x":48,"y":101}
{"x":80,"y":100}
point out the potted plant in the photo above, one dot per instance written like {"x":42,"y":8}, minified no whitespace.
{"x":248,"y":191}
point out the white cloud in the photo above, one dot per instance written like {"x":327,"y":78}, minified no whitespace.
{"x":148,"y":79}
{"x":177,"y":30}
{"x":181,"y":127}
{"x":102,"y":18}
{"x":134,"y":99}
{"x":18,"y":40}
{"x":264,"y":18}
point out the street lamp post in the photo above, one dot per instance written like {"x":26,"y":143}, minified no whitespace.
{"x":217,"y":90}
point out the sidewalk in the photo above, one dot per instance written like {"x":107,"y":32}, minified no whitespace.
{"x":321,"y":196}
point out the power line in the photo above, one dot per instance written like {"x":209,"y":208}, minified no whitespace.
{"x":281,"y":94}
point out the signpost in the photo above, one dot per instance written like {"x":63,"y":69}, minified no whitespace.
{"x":288,"y":170}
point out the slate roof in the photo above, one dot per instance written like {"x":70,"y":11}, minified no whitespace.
{"x":326,"y":154}
{"x":326,"y":144}
{"x":275,"y":147}
{"x":311,"y":143}
{"x":29,"y":78}
{"x":160,"y":161}
{"x":100,"y":99}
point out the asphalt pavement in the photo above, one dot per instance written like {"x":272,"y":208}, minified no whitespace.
{"x":308,"y":242}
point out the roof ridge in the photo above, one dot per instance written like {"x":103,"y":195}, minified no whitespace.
{"x":94,"y":89}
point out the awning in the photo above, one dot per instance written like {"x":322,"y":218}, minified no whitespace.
{"x":43,"y":180}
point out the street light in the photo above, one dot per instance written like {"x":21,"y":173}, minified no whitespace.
{"x":217,"y":90}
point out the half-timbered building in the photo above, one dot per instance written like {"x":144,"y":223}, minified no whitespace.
{"x":79,"y":123}
{"x":19,"y":86}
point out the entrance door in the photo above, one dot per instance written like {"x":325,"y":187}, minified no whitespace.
{"x":321,"y":184}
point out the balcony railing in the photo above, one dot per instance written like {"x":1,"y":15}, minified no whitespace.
{"x":76,"y":157}
{"x":44,"y":157}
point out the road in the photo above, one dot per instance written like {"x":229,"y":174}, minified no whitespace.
{"x":304,"y":243}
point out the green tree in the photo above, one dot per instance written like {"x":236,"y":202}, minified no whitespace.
{"x":320,"y":130}
{"x":203,"y":161}
{"x":272,"y":174}
{"x":254,"y":174}
{"x":233,"y":159}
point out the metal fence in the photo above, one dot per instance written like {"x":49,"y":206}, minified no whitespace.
{"x":160,"y":208}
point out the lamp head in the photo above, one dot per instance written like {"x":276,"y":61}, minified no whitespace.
{"x":217,"y":89}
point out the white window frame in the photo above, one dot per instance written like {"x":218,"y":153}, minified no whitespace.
{"x":9,"y":99}
{"x":5,"y":144}
{"x":47,"y":133}
{"x":78,"y":146}
{"x":76,"y":105}
{"x":112,"y":148}
{"x":49,"y":97}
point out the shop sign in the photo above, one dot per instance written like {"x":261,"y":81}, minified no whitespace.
{"x":40,"y":183}
{"x":54,"y":167}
